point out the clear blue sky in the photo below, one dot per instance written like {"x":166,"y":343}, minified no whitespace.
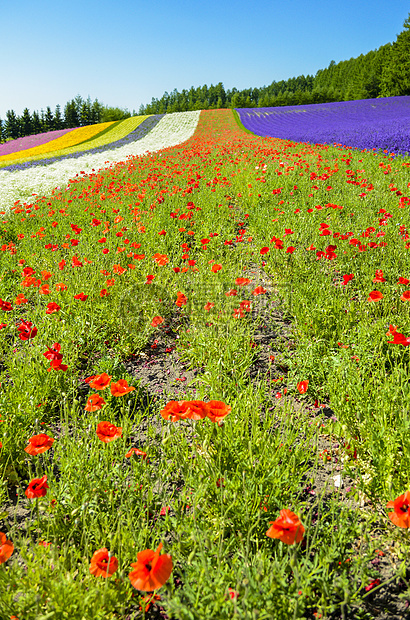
{"x":125,"y":52}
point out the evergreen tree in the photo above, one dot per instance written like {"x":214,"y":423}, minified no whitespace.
{"x":2,"y":136}
{"x":96,"y":112}
{"x":12,"y":125}
{"x":36,"y":122}
{"x":26,"y":123}
{"x":70,"y":114}
{"x":48,"y":120}
{"x":395,"y":78}
{"x":43,"y":121}
{"x":58,"y":119}
{"x":85,"y":113}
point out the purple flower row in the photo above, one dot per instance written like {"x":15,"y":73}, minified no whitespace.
{"x":378,"y":124}
{"x":29,"y":142}
{"x":140,"y":132}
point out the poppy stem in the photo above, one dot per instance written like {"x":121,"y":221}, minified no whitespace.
{"x":37,"y":514}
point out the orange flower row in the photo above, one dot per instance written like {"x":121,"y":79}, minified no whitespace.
{"x":176,"y":410}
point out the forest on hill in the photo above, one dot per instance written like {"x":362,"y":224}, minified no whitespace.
{"x":384,"y":72}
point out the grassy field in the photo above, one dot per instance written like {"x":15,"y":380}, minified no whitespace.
{"x":266,"y":283}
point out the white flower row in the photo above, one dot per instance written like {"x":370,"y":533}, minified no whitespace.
{"x":172,"y":129}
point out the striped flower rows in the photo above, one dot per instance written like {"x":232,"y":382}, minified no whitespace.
{"x":16,"y":185}
{"x":28,"y":142}
{"x":76,"y":136}
{"x":115,"y":131}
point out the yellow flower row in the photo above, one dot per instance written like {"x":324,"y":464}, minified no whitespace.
{"x":69,"y":139}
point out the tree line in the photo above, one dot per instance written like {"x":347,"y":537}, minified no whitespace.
{"x":384,"y":72}
{"x":77,"y":113}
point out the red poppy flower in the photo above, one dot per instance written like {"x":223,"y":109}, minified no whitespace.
{"x":100,"y":382}
{"x":259,"y":290}
{"x":372,"y":584}
{"x":181,"y":299}
{"x":290,"y":249}
{"x":108,"y":432}
{"x":104,"y":292}
{"x":6,"y":548}
{"x":151,"y":570}
{"x":37,"y":488}
{"x":102,"y":564}
{"x":94,"y":403}
{"x":39,"y":444}
{"x":347,"y":277}
{"x":216,"y":268}
{"x":264,"y":250}
{"x":137,"y":452}
{"x":27,"y":331}
{"x":392,"y":330}
{"x":44,"y":290}
{"x":287,"y":527}
{"x":231,"y":293}
{"x":20,"y":299}
{"x":157,"y":320}
{"x":185,"y":409}
{"x":375,"y":296}
{"x":5,"y":306}
{"x":52,"y":307}
{"x":161,"y":259}
{"x":379,"y":276}
{"x":217,"y":410}
{"x":302,"y":386}
{"x":28,"y":271}
{"x":242,"y":281}
{"x":118,"y":269}
{"x":399,"y":339}
{"x":81,"y":296}
{"x":208,"y":306}
{"x":401,"y":507}
{"x":120,"y":388}
{"x":404,"y":281}
{"x":405,"y":296}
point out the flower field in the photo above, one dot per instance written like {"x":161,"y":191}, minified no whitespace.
{"x":74,"y":137}
{"x":19,"y":182}
{"x":22,"y":144}
{"x":377,"y":124}
{"x":204,"y":376}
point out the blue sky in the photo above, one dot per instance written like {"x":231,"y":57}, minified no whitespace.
{"x":124,"y":53}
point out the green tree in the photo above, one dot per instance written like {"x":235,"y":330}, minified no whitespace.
{"x":70,"y":114}
{"x":36,"y":122}
{"x":96,"y":111}
{"x":48,"y":119}
{"x":12,"y":125}
{"x":395,"y":78}
{"x":26,"y":123}
{"x":114,"y":114}
{"x":58,"y":119}
{"x":85,"y":113}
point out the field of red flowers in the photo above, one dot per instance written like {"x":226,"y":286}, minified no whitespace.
{"x":204,"y":369}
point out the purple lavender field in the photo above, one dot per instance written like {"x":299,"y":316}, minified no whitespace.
{"x":28,"y":142}
{"x":372,"y":124}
